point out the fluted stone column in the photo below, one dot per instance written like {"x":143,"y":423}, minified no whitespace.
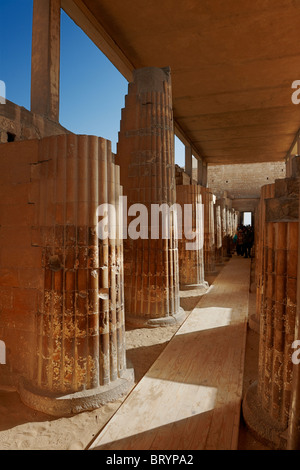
{"x":223,"y":209}
{"x":266,"y":406}
{"x":218,"y":235}
{"x":146,"y":158}
{"x":229,"y":230}
{"x":188,"y":158}
{"x":209,"y":200}
{"x":227,"y":226}
{"x":79,"y":359}
{"x":233,"y":229}
{"x":267,"y":192}
{"x":191,"y":250}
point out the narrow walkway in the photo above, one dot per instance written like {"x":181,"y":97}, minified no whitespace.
{"x":190,"y":398}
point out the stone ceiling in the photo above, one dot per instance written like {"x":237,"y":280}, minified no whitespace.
{"x":232,"y":62}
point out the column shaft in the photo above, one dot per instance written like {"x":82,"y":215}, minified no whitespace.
{"x":209,"y":230}
{"x":267,"y":191}
{"x":293,"y":442}
{"x":267,"y":403}
{"x":146,"y":159}
{"x":204,"y":175}
{"x":199,"y":171}
{"x":45,"y":60}
{"x":188,"y":167}
{"x":190,"y":251}
{"x":80,"y":360}
{"x":218,"y":235}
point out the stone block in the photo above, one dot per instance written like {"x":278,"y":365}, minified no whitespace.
{"x":283,"y":209}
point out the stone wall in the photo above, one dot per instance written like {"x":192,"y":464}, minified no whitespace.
{"x":17,"y":123}
{"x":243,"y":181}
{"x":21,"y":273}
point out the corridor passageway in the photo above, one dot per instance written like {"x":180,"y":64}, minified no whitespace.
{"x":191,"y":396}
{"x":124,"y":290}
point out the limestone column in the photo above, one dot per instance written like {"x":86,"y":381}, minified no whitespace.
{"x":229,"y":231}
{"x":267,"y":403}
{"x":204,"y":175}
{"x":199,"y":171}
{"x":218,"y":234}
{"x":190,"y":249}
{"x":146,"y":158}
{"x":208,"y":200}
{"x":188,"y":167}
{"x":267,"y":192}
{"x":232,"y":232}
{"x":223,"y":214}
{"x":234,"y":222}
{"x":293,"y":441}
{"x":227,"y":227}
{"x":79,"y":359}
{"x":45,"y":60}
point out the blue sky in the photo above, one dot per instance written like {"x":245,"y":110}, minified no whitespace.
{"x":92,"y":91}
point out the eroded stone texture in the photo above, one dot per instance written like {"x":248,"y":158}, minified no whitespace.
{"x":21,"y":275}
{"x":208,"y":200}
{"x":218,"y":234}
{"x":267,"y":192}
{"x":228,"y":225}
{"x":234,"y":226}
{"x":191,"y":258}
{"x":267,"y":403}
{"x":45,"y":58}
{"x":227,"y":220}
{"x":79,"y":350}
{"x":146,"y":158}
{"x":17,"y":123}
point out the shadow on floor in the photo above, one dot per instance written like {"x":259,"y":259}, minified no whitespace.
{"x":14,"y":413}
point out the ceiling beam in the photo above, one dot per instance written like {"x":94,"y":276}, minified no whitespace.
{"x":82,"y":16}
{"x":85,"y":20}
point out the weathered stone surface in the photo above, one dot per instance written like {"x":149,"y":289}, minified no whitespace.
{"x":146,"y":158}
{"x":287,"y":187}
{"x":24,"y":125}
{"x":208,"y":200}
{"x":45,"y":58}
{"x":267,"y":405}
{"x":64,"y":292}
{"x":296,"y":166}
{"x":267,"y":191}
{"x":182,"y":178}
{"x":191,"y":261}
{"x":282,"y":209}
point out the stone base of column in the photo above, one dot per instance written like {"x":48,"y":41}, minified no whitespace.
{"x":203,"y":287}
{"x":260,"y":424}
{"x":74,"y":403}
{"x":145,"y":322}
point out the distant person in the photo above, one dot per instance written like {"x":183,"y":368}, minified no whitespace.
{"x":248,"y":241}
{"x":251,"y":240}
{"x":235,"y":240}
{"x":240,"y":242}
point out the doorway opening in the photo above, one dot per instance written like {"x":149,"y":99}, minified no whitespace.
{"x":247,"y":218}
